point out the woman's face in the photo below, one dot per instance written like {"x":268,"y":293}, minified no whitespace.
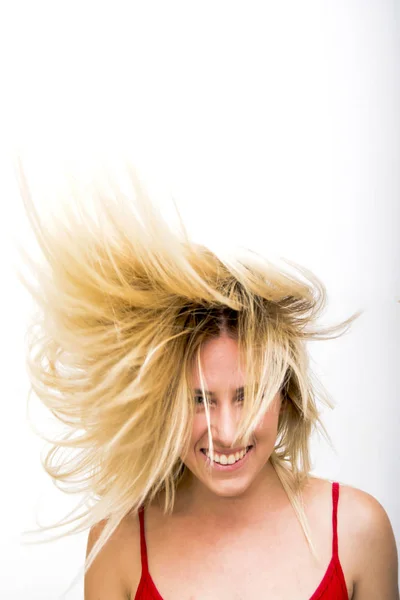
{"x":223,"y":382}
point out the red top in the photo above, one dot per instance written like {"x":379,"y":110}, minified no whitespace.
{"x":332,"y":586}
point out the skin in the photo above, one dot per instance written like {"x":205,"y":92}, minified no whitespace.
{"x":240,"y":497}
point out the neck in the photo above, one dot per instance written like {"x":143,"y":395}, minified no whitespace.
{"x":264,"y":495}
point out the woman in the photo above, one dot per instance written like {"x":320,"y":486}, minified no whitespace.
{"x":186,"y":375}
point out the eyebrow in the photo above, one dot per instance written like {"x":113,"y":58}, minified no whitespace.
{"x":197,"y":391}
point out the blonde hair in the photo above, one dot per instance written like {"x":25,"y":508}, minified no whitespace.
{"x":125,"y":304}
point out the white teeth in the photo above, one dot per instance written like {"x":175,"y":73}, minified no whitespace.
{"x":223,"y":459}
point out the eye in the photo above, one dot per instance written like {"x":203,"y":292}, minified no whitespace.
{"x":198,"y":400}
{"x":200,"y":397}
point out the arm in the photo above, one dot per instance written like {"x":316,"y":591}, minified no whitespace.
{"x":103,"y":580}
{"x":376,"y":559}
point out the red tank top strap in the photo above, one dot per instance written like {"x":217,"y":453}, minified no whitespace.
{"x":335,"y":500}
{"x":143,"y":547}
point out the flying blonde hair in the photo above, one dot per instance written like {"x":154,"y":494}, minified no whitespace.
{"x":125,"y":304}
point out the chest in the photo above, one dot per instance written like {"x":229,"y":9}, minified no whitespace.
{"x":269,"y":561}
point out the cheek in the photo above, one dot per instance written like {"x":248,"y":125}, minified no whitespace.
{"x":199,"y":429}
{"x":268,"y":424}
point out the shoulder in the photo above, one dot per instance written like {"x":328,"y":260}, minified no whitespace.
{"x":367,"y":546}
{"x":370,"y":521}
{"x":118,"y":564}
{"x":372,"y":544}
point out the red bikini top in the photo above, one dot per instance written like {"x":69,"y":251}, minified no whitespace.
{"x":332,"y":586}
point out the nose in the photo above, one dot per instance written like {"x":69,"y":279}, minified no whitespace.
{"x":224,"y":420}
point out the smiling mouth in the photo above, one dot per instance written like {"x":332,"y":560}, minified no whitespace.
{"x":225,"y":460}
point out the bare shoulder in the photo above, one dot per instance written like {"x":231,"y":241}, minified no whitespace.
{"x":117,"y":565}
{"x":371,"y":543}
{"x":367,"y":547}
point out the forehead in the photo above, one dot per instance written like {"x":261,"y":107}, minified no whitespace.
{"x":220,"y":365}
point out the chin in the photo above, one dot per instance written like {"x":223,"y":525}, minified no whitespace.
{"x":228,"y":489}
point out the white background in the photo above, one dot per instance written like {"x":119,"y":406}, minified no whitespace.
{"x":274,"y":125}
